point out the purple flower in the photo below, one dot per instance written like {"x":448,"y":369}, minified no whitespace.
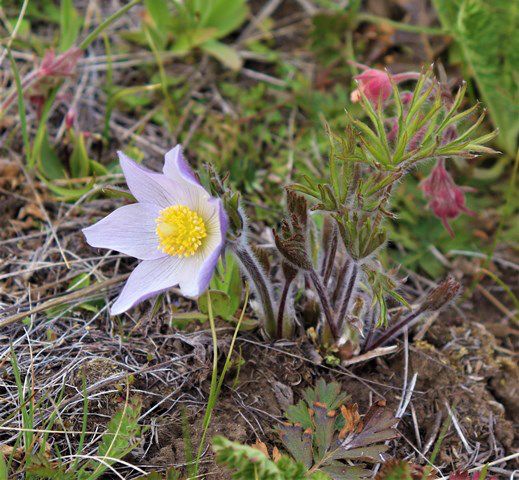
{"x":446,"y":199}
{"x":177,"y":229}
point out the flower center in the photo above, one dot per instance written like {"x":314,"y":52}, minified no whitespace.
{"x":180,"y":231}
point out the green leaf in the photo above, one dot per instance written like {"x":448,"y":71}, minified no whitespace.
{"x":327,"y":393}
{"x":120,"y":438}
{"x":3,"y":468}
{"x":227,"y":55}
{"x":221,"y":304}
{"x":49,"y":163}
{"x":395,"y":470}
{"x":67,"y":194}
{"x":249,"y":463}
{"x":486,"y":32}
{"x":70,"y":24}
{"x":79,"y":161}
{"x":223,"y":15}
{"x":160,"y":13}
{"x":80,"y":281}
{"x":228,"y":279}
{"x":182,"y":320}
{"x":49,"y":472}
{"x":98,"y":169}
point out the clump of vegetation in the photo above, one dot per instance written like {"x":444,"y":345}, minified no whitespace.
{"x":334,"y":230}
{"x":320,"y":442}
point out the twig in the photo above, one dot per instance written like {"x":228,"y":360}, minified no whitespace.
{"x":379,"y":352}
{"x":54,"y":302}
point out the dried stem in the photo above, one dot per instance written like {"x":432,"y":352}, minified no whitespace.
{"x":325,"y":303}
{"x":261,"y":284}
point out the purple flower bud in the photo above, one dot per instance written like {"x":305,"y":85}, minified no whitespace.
{"x":446,"y":199}
{"x":70,"y":118}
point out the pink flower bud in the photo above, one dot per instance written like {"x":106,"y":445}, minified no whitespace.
{"x":70,"y":117}
{"x":62,"y":65}
{"x":374,"y":84}
{"x":446,"y":199}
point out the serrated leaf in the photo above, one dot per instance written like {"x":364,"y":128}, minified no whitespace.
{"x":299,"y":413}
{"x":298,"y":443}
{"x":327,"y":393}
{"x":486,"y":32}
{"x":372,"y":453}
{"x":340,"y":471}
{"x":324,"y":429}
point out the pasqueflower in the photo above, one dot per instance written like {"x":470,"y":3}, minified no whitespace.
{"x":446,"y":199}
{"x":177,"y":229}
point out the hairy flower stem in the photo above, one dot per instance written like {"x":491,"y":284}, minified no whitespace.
{"x":340,"y":281}
{"x":261,"y":284}
{"x":329,"y":259}
{"x":395,"y":329}
{"x":281,"y":308}
{"x":371,"y":329}
{"x":325,"y":303}
{"x":348,"y":293}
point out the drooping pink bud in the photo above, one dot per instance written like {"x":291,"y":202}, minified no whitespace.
{"x":70,"y":117}
{"x":446,"y":199}
{"x":376,"y":84}
{"x":62,"y":65}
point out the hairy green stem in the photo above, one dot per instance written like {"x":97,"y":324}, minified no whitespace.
{"x":261,"y":284}
{"x":325,"y":303}
{"x":281,"y":308}
{"x":392,"y":331}
{"x":330,"y":257}
{"x":348,"y":293}
{"x":340,"y":281}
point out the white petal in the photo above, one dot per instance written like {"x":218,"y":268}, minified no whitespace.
{"x":129,"y":230}
{"x":200,"y":267}
{"x":149,"y":278}
{"x":178,"y":170}
{"x":152,"y":187}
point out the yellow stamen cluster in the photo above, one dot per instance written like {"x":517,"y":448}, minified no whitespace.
{"x":180,"y":231}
